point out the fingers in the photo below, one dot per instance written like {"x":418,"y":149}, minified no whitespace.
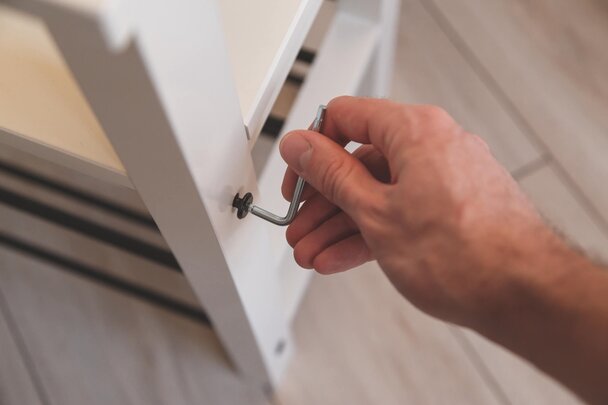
{"x":317,"y":209}
{"x":390,"y":127}
{"x":387,"y":125}
{"x":371,"y":158}
{"x":331,"y":170}
{"x":289,"y":184}
{"x":343,"y":255}
{"x":365,"y":120}
{"x":314,"y":213}
{"x":338,"y":227}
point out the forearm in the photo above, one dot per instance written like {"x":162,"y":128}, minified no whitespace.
{"x":553,"y":311}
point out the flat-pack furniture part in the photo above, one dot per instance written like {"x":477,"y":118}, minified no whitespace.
{"x":168,"y":97}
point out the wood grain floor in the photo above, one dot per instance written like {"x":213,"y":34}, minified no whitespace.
{"x":529,"y":77}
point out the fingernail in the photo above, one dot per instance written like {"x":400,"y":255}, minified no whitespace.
{"x":295,"y":150}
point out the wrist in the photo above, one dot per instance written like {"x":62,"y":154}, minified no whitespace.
{"x":552,"y":311}
{"x":532,"y":277}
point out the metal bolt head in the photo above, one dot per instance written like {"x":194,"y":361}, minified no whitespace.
{"x":242,"y":204}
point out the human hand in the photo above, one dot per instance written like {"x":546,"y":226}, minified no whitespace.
{"x":422,"y":196}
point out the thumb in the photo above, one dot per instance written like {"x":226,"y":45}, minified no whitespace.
{"x":331,"y":170}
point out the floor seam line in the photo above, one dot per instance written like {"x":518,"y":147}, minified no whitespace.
{"x":532,"y":167}
{"x":510,"y":108}
{"x":480,"y":365}
{"x":22,"y":348}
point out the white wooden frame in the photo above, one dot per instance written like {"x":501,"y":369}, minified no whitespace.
{"x":172,"y":114}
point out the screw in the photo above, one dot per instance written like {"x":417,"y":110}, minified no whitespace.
{"x":242,"y":204}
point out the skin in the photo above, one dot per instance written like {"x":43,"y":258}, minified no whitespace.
{"x":452,"y":231}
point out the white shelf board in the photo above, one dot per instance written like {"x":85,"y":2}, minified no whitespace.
{"x":43,"y":112}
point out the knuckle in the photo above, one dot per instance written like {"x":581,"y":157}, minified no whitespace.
{"x":480,"y":141}
{"x":437,"y":123}
{"x":436,"y":114}
{"x":422,"y":123}
{"x":332,"y":178}
{"x":372,"y":212}
{"x":437,"y":118}
{"x":338,"y":100}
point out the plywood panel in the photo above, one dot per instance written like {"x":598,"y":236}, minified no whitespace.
{"x":41,"y":107}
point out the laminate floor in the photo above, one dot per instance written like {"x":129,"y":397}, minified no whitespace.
{"x":529,"y":77}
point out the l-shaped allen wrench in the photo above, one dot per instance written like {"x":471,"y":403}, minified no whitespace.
{"x":244,"y":205}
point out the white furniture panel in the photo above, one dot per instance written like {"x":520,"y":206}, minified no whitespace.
{"x":43,"y":111}
{"x":263,"y":37}
{"x":181,"y":90}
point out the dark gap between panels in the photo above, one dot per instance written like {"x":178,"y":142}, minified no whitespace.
{"x":273,"y":126}
{"x":306,"y":55}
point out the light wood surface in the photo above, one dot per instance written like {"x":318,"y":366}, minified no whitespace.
{"x":430,"y":70}
{"x":535,"y":56}
{"x":95,"y":346}
{"x":359,"y":342}
{"x":561,"y":206}
{"x":41,"y":107}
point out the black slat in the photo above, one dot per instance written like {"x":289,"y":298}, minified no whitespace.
{"x":306,"y":55}
{"x":273,"y":126}
{"x":88,"y":228}
{"x":295,"y":79}
{"x":92,"y":274}
{"x":80,"y":195}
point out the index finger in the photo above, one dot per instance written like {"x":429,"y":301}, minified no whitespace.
{"x":290,"y":178}
{"x":379,"y":122}
{"x":363,"y":120}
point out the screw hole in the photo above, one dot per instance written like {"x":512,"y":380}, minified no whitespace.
{"x":280,"y":347}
